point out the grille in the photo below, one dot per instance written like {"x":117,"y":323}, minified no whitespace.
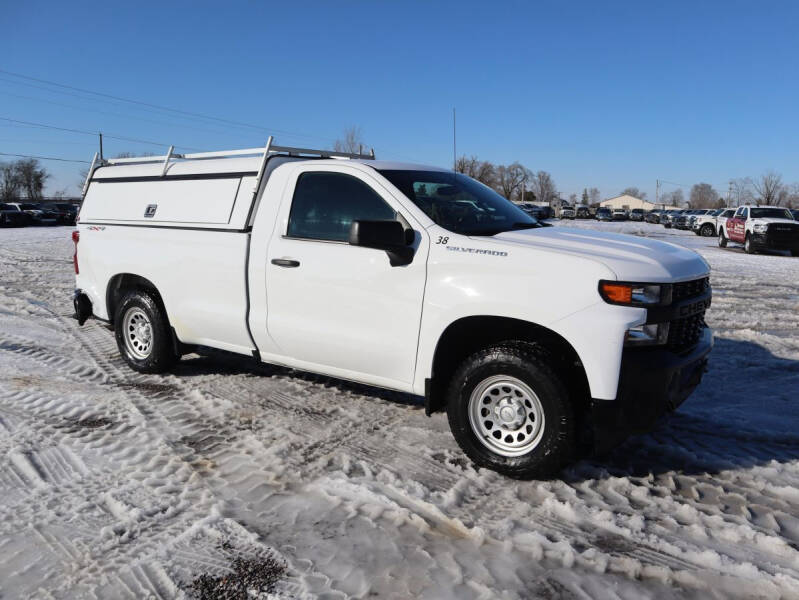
{"x":688,"y":289}
{"x":685,"y":333}
{"x":783,"y":234}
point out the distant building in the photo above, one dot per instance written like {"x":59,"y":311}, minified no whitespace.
{"x":628,"y":202}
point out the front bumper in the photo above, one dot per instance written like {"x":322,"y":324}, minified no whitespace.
{"x":653,"y":381}
{"x":770,"y":241}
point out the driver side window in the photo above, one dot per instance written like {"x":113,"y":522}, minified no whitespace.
{"x":325,"y":204}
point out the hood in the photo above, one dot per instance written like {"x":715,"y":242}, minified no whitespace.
{"x":769,"y":220}
{"x":631,"y":258}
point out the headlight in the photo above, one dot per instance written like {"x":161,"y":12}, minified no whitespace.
{"x":760,"y":227}
{"x":634,"y":294}
{"x":647,"y":335}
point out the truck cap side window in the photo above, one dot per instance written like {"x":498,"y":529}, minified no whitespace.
{"x":459,"y":203}
{"x":325,"y":204}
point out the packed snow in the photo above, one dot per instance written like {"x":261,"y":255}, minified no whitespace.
{"x":115,"y":484}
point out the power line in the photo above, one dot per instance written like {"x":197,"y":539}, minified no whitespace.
{"x":92,"y":133}
{"x":45,"y":158}
{"x":158,"y":106}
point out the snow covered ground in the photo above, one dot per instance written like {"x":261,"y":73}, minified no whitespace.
{"x":120,"y":485}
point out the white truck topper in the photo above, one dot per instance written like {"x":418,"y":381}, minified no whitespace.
{"x":207,"y":190}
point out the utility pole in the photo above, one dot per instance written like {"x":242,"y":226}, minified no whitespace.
{"x":657,"y":192}
{"x":454,"y":146}
{"x":101,"y":146}
{"x":729,"y":194}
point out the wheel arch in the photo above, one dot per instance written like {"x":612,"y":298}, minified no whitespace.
{"x":121,"y":283}
{"x":467,"y":335}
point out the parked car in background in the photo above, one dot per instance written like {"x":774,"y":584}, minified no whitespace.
{"x":667,"y":217}
{"x":12,"y":215}
{"x":537,"y":212}
{"x":795,"y":213}
{"x":653,"y":216}
{"x":604,"y":214}
{"x":583,"y":212}
{"x":637,"y":214}
{"x":705,"y":225}
{"x":568,"y":212}
{"x":37,"y":215}
{"x":761,"y":228}
{"x":619,"y":214}
{"x":682,"y":220}
{"x":66,"y":213}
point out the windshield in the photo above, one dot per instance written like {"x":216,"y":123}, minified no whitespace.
{"x":771,"y":213}
{"x":459,"y":203}
{"x":5,"y":206}
{"x":29,"y":206}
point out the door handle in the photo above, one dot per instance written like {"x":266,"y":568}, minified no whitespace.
{"x":286,"y":262}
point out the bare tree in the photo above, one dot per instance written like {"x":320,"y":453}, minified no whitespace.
{"x":572,"y":199}
{"x":31,"y":177}
{"x":584,"y":199}
{"x":9,"y":182}
{"x":510,"y":179}
{"x":703,"y":196}
{"x":594,"y":196}
{"x":768,"y":187}
{"x":742,"y":191}
{"x":789,"y":196}
{"x":543,"y":186}
{"x":481,"y":170}
{"x":352,"y":141}
{"x":634,"y":192}
{"x":673,"y":198}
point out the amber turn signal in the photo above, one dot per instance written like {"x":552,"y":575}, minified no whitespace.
{"x":617,"y":292}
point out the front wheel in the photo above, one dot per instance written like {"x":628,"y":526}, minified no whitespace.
{"x":142,"y":333}
{"x":722,"y":239}
{"x":706,"y":230}
{"x":510,"y":412}
{"x":748,"y":247}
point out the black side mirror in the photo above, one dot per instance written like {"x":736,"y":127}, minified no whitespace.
{"x":389,"y":236}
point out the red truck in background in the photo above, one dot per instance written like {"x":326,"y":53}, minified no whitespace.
{"x":761,"y":228}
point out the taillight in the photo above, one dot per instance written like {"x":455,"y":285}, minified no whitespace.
{"x":76,"y":239}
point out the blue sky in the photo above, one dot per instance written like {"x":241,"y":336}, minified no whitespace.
{"x":599,"y":94}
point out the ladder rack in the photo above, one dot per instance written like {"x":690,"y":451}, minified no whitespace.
{"x":262,"y":151}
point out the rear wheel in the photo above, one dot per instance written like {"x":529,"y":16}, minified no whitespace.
{"x":707,"y":230}
{"x":510,"y":412}
{"x":722,"y":239}
{"x":142,"y":333}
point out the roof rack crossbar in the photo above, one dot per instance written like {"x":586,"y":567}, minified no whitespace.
{"x":289,"y":150}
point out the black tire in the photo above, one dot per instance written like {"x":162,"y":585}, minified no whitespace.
{"x":748,"y":247}
{"x":707,"y":230}
{"x":528,"y":364}
{"x":158,"y":355}
{"x":722,"y":239}
{"x":794,"y":252}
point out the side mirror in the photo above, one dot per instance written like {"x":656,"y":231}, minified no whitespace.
{"x":383,"y":235}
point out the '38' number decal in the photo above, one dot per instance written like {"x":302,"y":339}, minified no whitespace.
{"x":442,"y":240}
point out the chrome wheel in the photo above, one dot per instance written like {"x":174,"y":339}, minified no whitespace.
{"x":506,"y":415}
{"x":138,"y":333}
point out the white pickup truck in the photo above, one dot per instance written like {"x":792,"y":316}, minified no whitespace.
{"x":537,"y":341}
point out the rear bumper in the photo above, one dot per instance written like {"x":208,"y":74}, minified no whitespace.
{"x":653,"y":381}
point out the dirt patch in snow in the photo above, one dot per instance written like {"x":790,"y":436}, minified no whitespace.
{"x":249,"y":578}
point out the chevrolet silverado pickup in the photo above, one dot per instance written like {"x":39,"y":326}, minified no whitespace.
{"x":536,"y":341}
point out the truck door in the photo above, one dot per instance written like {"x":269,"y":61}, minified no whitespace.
{"x":737,"y":225}
{"x":338,"y":308}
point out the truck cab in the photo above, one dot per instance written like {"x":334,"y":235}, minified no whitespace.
{"x":535,"y":341}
